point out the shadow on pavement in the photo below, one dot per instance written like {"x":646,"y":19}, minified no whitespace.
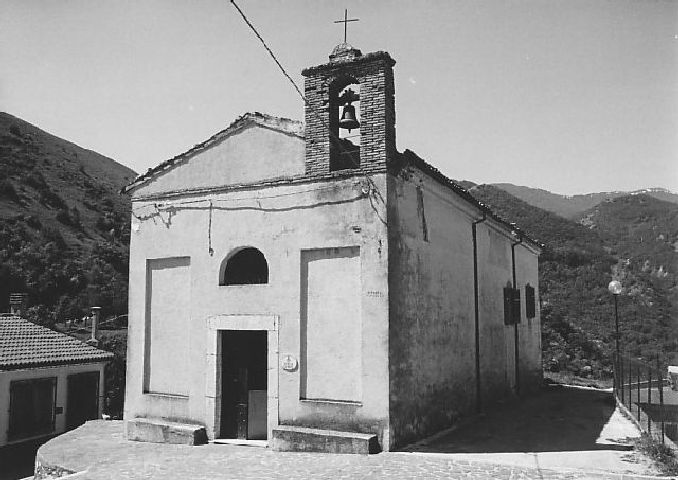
{"x":17,"y":461}
{"x":556,"y":419}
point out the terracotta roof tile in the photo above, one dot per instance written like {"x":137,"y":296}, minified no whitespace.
{"x":24,"y":344}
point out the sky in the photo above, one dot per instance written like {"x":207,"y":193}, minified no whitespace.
{"x":572,"y":96}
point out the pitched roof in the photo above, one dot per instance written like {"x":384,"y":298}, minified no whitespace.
{"x":24,"y":344}
{"x":293,"y":127}
{"x":408,"y":157}
{"x":271,"y":122}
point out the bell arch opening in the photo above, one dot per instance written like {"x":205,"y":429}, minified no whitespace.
{"x":345,"y":124}
{"x":245,"y":266}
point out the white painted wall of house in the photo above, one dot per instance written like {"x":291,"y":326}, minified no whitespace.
{"x":61,"y":373}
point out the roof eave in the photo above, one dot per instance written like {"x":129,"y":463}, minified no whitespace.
{"x":54,"y":363}
{"x":412,"y":158}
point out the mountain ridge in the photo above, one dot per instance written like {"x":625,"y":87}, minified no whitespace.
{"x":573,"y":206}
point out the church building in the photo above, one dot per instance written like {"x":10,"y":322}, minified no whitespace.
{"x":308,"y":285}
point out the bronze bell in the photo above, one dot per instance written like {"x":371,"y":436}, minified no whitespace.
{"x":348,"y":120}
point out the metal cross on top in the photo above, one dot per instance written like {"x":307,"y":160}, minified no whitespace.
{"x":345,"y":22}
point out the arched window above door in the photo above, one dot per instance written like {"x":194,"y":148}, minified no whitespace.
{"x":246,"y":266}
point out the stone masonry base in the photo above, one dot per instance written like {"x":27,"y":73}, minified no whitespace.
{"x":163,"y":431}
{"x":298,"y":439}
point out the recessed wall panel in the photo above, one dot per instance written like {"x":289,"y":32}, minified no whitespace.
{"x":331,"y":325}
{"x":168,"y":326}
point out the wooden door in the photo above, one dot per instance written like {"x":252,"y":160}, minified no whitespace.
{"x":82,"y":403}
{"x":243,"y":370}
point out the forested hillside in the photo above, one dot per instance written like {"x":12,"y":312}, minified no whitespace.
{"x":64,"y":228}
{"x":642,"y":232}
{"x":633,"y":239}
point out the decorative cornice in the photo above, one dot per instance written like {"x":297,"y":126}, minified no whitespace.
{"x":371,"y":57}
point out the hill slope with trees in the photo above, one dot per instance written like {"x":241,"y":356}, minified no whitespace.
{"x":64,"y":228}
{"x":642,"y":232}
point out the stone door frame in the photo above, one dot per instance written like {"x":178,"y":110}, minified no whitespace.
{"x":213,"y":355}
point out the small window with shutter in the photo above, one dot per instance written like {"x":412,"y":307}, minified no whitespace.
{"x":508,"y":295}
{"x":511,"y":305}
{"x":515,"y":314}
{"x":530,"y":302}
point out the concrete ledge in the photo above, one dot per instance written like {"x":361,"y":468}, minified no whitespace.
{"x":158,"y":430}
{"x":288,"y":438}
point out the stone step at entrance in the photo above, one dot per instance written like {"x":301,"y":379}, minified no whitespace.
{"x":159,"y":430}
{"x":241,"y":442}
{"x":288,"y":438}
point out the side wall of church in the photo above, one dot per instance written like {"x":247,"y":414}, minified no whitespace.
{"x":497,"y":340}
{"x":431,"y":308}
{"x":327,"y":292}
{"x":531,"y":372}
{"x":432,"y":314}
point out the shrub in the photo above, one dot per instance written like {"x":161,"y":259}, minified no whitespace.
{"x":115,"y":373}
{"x":63,"y":217}
{"x":33,"y":222}
{"x":51,"y":199}
{"x":35,"y":180}
{"x":41,"y":315}
{"x":663,"y":455}
{"x":53,"y":235}
{"x":70,"y":218}
{"x":7,"y":191}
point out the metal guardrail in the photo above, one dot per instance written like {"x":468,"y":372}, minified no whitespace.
{"x":643,"y":388}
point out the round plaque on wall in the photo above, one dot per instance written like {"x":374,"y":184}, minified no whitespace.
{"x":289,"y":362}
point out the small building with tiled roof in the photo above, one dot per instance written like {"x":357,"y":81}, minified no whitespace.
{"x":50,"y":382}
{"x":292,"y":282}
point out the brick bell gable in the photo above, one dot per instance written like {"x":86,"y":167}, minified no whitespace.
{"x":374,"y":73}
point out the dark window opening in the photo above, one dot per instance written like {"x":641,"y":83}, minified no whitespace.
{"x":511,"y":305}
{"x":508,"y":294}
{"x":530,"y":301}
{"x":422,"y":213}
{"x":246,"y":267}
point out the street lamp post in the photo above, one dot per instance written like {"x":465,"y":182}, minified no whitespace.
{"x":615,"y":288}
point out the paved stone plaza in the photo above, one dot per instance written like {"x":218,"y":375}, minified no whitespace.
{"x":99,"y":450}
{"x":564,"y":433}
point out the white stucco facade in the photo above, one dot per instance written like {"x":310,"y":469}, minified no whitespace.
{"x":284,"y":223}
{"x":354,"y":381}
{"x":382,"y":311}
